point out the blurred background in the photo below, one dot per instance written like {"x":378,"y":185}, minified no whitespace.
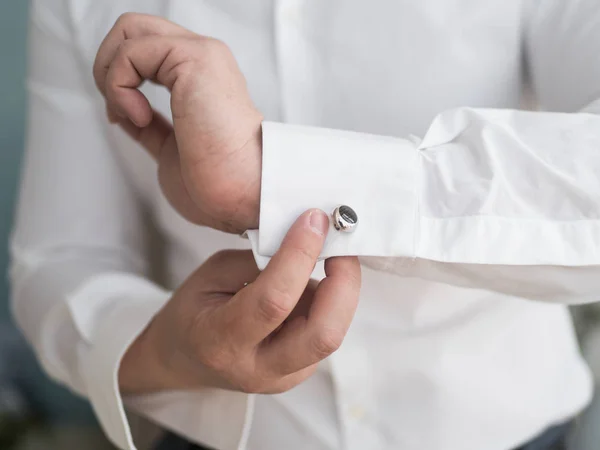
{"x":37,"y":414}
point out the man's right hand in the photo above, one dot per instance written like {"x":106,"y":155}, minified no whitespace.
{"x":265,"y":337}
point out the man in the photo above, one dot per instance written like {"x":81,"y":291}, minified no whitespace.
{"x":459,"y":231}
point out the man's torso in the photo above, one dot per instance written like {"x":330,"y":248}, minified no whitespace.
{"x":425,"y":365}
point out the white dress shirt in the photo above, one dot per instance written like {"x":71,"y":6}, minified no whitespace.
{"x":478,"y":222}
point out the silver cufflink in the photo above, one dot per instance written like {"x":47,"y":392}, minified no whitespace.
{"x":344,"y":219}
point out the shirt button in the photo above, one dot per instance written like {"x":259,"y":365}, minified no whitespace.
{"x":357,"y":412}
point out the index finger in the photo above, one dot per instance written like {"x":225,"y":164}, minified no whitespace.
{"x":263,"y":305}
{"x":303,"y":342}
{"x":130,"y":26}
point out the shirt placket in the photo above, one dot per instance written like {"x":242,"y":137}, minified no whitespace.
{"x":299,"y":74}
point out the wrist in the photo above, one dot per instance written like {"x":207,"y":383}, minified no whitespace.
{"x":140,"y":370}
{"x":254,"y":148}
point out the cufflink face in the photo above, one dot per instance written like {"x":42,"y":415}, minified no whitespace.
{"x":344,"y":219}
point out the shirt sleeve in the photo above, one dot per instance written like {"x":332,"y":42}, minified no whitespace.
{"x":78,"y":266}
{"x":504,"y":200}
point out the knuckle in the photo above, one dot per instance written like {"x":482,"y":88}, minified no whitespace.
{"x":252,"y":386}
{"x":210,"y":52}
{"x":216,"y":358}
{"x":127,"y":18}
{"x":274,"y":306}
{"x":215,"y":47}
{"x":326,"y":342}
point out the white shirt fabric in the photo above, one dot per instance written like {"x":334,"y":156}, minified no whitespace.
{"x":478,"y":222}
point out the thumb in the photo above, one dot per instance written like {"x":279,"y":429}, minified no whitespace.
{"x":260,"y":308}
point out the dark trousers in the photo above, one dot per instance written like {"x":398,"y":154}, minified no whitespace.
{"x":173,"y":442}
{"x":553,"y":439}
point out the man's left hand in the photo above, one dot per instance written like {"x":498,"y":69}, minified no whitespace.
{"x":209,"y":160}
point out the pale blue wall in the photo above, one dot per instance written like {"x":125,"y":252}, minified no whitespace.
{"x":13,"y":17}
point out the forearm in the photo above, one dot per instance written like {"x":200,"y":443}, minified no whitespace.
{"x":140,"y":371}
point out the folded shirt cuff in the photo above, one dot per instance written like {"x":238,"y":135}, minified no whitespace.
{"x":109,"y":312}
{"x":306,"y":167}
{"x":212,"y":417}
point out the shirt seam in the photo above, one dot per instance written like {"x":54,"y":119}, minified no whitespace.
{"x":521,"y":219}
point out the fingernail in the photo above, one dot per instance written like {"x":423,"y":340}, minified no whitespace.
{"x":319,"y":222}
